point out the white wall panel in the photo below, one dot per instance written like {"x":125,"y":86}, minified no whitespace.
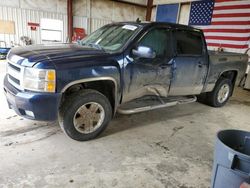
{"x":97,"y":23}
{"x":11,"y":3}
{"x":104,"y":12}
{"x":184,"y":13}
{"x":153,"y":15}
{"x":140,"y":2}
{"x":59,"y":6}
{"x":21,"y":17}
{"x":81,"y":22}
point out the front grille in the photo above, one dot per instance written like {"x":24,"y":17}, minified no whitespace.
{"x":14,"y":79}
{"x":14,"y":67}
{"x":15,"y":74}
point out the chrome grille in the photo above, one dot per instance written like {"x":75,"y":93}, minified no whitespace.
{"x":15,"y":74}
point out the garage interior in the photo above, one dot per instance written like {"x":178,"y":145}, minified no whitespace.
{"x":168,"y":147}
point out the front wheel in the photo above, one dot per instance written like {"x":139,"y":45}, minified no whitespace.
{"x":221,"y":93}
{"x":85,"y":114}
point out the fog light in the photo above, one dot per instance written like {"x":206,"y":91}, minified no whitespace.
{"x":29,"y":113}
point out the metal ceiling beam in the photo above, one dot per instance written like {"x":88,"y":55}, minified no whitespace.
{"x":70,"y":19}
{"x":130,"y":3}
{"x":149,"y":10}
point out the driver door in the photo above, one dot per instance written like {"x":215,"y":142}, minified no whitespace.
{"x":149,"y":76}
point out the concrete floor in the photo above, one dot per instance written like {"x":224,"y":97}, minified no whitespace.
{"x":171,"y":147}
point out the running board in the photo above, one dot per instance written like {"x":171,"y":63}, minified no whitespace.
{"x":153,"y":102}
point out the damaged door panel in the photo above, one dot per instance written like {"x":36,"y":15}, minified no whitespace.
{"x":150,"y":76}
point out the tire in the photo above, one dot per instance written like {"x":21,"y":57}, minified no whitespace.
{"x":212,"y":98}
{"x":75,"y":110}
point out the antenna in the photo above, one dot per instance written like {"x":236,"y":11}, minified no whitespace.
{"x":138,"y":20}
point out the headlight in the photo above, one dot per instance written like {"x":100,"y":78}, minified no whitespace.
{"x":39,"y":79}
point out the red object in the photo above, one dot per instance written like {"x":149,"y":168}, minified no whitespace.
{"x":78,"y":34}
{"x":244,"y":185}
{"x":33,"y":28}
{"x":33,"y":24}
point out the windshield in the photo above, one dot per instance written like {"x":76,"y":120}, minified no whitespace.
{"x":110,"y":37}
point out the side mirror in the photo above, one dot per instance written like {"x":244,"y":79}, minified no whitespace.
{"x":144,"y":52}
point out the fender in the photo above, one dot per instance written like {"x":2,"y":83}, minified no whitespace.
{"x":91,"y":80}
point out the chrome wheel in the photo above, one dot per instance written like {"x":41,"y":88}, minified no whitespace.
{"x":89,"y":117}
{"x":223,"y":93}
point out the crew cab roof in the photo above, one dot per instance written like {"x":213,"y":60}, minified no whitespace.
{"x":170,"y":25}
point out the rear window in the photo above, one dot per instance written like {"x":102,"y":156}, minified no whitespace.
{"x":188,"y":43}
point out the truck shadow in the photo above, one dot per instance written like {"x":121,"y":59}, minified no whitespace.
{"x":125,"y":122}
{"x":27,"y":131}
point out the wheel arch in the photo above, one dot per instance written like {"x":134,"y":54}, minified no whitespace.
{"x":231,"y":75}
{"x":105,"y":85}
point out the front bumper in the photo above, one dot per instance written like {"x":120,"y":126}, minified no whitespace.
{"x":32,"y":105}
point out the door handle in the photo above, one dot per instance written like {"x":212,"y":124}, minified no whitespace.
{"x":163,"y":66}
{"x":200,"y":65}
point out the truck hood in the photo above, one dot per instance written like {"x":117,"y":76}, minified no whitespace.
{"x":30,"y":55}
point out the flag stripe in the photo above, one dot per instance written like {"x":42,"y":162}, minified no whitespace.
{"x":231,"y":23}
{"x":226,"y":34}
{"x":228,"y":38}
{"x":231,"y":11}
{"x":226,"y":42}
{"x":228,"y":45}
{"x":224,"y":27}
{"x":232,"y":19}
{"x":236,"y":11}
{"x":217,"y":1}
{"x":228,"y":30}
{"x":246,"y":31}
{"x":232,"y":7}
{"x":226,"y":3}
{"x":231,"y":15}
{"x":236,"y":50}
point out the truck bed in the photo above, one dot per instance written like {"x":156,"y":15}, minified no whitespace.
{"x":220,"y":62}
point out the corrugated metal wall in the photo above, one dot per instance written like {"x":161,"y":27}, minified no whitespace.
{"x":99,"y":13}
{"x":81,"y":22}
{"x":21,"y":17}
{"x":96,"y":23}
{"x":104,"y":12}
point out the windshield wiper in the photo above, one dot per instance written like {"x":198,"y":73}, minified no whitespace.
{"x":94,"y":45}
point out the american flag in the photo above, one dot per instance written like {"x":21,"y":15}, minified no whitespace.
{"x":225,"y":23}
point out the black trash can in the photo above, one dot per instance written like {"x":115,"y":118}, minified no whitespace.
{"x":231,"y":165}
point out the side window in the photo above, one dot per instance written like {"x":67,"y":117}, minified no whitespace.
{"x":188,"y":43}
{"x":158,"y":39}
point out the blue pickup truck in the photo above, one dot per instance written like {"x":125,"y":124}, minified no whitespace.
{"x":124,"y":67}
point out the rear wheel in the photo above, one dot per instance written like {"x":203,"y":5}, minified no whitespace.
{"x":221,"y":93}
{"x":85,"y":114}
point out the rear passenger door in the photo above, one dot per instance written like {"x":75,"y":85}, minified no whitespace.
{"x":190,"y":63}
